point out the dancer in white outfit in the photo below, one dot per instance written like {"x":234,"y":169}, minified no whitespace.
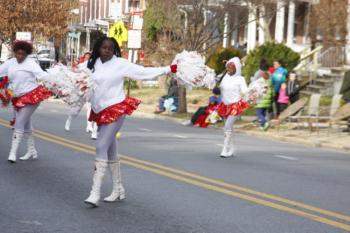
{"x":233,"y":87}
{"x":23,"y":73}
{"x":109,"y":107}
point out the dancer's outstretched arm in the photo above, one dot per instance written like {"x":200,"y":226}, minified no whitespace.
{"x":138,"y":72}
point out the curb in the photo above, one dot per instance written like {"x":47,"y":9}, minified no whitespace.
{"x":291,"y":139}
{"x":262,"y":135}
{"x":139,"y":114}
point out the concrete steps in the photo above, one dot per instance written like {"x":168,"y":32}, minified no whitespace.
{"x":326,"y":83}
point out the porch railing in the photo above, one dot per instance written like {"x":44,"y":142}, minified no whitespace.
{"x":332,"y":57}
{"x":309,"y":64}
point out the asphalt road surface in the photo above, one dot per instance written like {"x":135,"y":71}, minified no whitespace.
{"x":175,"y":182}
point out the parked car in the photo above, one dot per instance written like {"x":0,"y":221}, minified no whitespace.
{"x":46,"y":57}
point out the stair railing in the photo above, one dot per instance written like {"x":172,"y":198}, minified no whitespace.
{"x":309,"y":64}
{"x":332,"y":57}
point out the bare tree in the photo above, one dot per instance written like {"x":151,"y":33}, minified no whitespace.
{"x":47,"y":18}
{"x":328,"y":22}
{"x":198,"y":25}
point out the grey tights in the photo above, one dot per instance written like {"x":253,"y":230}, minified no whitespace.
{"x":107,"y":145}
{"x":229,"y":122}
{"x":24,"y":119}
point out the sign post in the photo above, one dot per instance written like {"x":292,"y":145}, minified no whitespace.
{"x":134,"y":42}
{"x":134,"y":37}
{"x":26,"y":36}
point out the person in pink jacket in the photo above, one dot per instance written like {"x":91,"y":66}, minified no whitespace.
{"x":283,"y":99}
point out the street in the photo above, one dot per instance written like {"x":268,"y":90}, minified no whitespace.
{"x":174,"y":180}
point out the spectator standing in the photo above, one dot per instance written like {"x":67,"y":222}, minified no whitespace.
{"x":345,"y":91}
{"x":293,"y":88}
{"x":263,"y":67}
{"x":283,"y":99}
{"x":262,"y":108}
{"x":279,"y":76}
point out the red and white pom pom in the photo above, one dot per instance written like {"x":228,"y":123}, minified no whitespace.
{"x":256,"y":91}
{"x":192,"y":72}
{"x":73,"y":87}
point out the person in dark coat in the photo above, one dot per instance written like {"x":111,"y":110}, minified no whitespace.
{"x":293,"y":88}
{"x":345,"y":91}
{"x":173,"y":92}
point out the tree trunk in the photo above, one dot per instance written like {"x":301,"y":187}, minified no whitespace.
{"x":182,"y":100}
{"x":267,"y":33}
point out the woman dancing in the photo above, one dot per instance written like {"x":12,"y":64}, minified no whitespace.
{"x":233,"y":87}
{"x":22,"y":73}
{"x":109,"y":107}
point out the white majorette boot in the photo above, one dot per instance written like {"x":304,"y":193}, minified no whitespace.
{"x":68,"y":123}
{"x":118,"y":192}
{"x":225,"y":149}
{"x":16,"y":140}
{"x":231,"y":146}
{"x":89,"y":127}
{"x":95,"y":194}
{"x":94,"y":133}
{"x":31,"y":151}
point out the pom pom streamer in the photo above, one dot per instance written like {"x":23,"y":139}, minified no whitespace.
{"x":73,"y":87}
{"x":192,"y":72}
{"x":256,"y":91}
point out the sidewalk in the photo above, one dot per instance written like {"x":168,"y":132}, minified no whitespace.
{"x":333,"y":140}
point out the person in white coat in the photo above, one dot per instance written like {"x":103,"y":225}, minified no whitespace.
{"x":109,"y":106}
{"x":23,"y":73}
{"x":233,"y":87}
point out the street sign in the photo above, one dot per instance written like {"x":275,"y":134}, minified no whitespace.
{"x":134,"y":39}
{"x":115,"y":10}
{"x":74,"y":35}
{"x":26,"y":36}
{"x":136,"y":21}
{"x":119,"y":32}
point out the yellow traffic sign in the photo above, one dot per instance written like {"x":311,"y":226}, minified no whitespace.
{"x":119,"y":32}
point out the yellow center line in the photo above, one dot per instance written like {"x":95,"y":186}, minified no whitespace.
{"x":88,"y":150}
{"x":244,"y":197}
{"x":216,"y":182}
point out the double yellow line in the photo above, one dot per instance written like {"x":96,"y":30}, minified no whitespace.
{"x":331,"y":218}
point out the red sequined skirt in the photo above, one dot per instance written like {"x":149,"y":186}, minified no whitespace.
{"x":234,"y":109}
{"x":34,"y":97}
{"x":114,"y":112}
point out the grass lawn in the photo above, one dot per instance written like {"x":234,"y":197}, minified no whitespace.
{"x":195,"y":98}
{"x":150,"y":96}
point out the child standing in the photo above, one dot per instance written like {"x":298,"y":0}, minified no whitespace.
{"x":293,"y":88}
{"x":265,"y":104}
{"x":283,"y":99}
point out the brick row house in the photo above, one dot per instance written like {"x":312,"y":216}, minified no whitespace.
{"x":93,"y":18}
{"x":291,"y":22}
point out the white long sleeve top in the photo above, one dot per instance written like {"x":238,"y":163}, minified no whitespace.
{"x":109,"y":80}
{"x":22,"y":76}
{"x":233,"y":87}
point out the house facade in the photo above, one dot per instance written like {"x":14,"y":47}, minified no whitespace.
{"x":94,"y":18}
